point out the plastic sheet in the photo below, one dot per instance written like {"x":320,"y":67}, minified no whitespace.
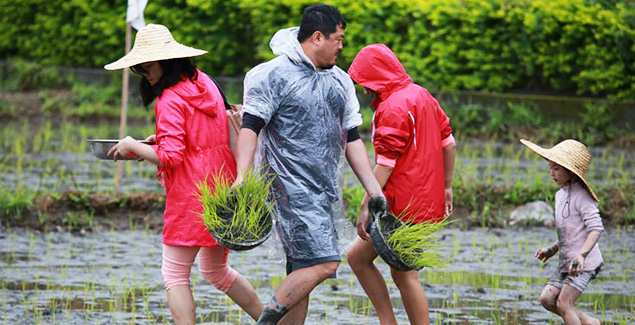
{"x":308,"y":112}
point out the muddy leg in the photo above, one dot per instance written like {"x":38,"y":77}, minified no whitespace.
{"x":294,"y":289}
{"x":572,"y":316}
{"x":571,"y":294}
{"x":297,"y":314}
{"x":549,"y":297}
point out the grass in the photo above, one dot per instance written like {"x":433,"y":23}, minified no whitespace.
{"x":241,"y":214}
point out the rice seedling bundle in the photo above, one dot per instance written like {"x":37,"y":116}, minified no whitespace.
{"x":416,"y":244}
{"x":238,"y":215}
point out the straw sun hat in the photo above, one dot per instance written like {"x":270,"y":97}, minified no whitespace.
{"x":154,"y":43}
{"x":569,"y":154}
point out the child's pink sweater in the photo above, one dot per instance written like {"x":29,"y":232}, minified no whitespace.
{"x":574,"y":220}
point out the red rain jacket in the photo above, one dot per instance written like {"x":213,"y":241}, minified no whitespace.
{"x":192,"y":143}
{"x":409,"y":132}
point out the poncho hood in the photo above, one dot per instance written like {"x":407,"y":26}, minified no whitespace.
{"x":377,"y":68}
{"x":285,"y":42}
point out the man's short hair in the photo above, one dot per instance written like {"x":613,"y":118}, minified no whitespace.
{"x":320,"y":17}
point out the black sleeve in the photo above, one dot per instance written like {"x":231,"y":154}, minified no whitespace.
{"x":352,"y":135}
{"x":253,"y":122}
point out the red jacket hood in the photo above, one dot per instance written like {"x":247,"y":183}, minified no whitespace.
{"x":376,"y":67}
{"x":197,"y":93}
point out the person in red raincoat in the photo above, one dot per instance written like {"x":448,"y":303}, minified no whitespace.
{"x":191,"y":143}
{"x":415,"y":151}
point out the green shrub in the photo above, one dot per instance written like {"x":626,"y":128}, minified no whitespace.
{"x":24,"y":75}
{"x":576,"y":46}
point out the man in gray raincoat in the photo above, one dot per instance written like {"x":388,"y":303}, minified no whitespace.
{"x":308,"y":113}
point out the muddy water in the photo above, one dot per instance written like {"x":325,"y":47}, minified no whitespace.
{"x":114,"y":278}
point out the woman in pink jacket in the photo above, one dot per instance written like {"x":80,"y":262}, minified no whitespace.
{"x":414,"y":153}
{"x":191,"y":142}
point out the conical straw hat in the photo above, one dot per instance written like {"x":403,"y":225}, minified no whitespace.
{"x":569,"y":154}
{"x":154,"y":43}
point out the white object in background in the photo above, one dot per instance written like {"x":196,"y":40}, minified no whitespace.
{"x":134,"y":15}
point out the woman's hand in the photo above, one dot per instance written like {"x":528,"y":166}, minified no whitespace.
{"x":577,"y":265}
{"x":545,"y":253}
{"x":123,"y":149}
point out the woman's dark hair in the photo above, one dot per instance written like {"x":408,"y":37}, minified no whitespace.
{"x":320,"y":17}
{"x":174,"y":70}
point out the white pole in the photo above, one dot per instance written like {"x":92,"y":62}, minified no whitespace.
{"x":124,"y":108}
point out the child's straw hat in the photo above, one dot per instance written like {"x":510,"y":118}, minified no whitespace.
{"x":569,"y":154}
{"x":154,"y":43}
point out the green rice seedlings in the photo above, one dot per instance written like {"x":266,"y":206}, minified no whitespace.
{"x":416,"y":244}
{"x":241,"y":214}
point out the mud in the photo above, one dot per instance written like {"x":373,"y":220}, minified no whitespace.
{"x":113,"y":277}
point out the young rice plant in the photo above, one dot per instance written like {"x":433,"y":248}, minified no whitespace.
{"x":241,"y":214}
{"x":416,"y":244}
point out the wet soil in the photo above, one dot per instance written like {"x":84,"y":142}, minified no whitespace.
{"x":113,"y":277}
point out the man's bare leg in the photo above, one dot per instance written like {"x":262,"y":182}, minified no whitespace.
{"x":297,"y":314}
{"x":294,"y":289}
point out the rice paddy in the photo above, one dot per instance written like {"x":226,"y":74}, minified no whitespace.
{"x":113,"y":277}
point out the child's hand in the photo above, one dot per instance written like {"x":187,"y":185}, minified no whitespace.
{"x":577,"y":266}
{"x":449,"y":207}
{"x":362,"y":220}
{"x":544,"y":254}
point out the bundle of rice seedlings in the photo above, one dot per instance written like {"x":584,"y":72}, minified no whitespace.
{"x":416,"y":244}
{"x":241,"y":214}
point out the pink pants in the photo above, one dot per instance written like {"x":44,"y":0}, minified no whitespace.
{"x":212,"y":262}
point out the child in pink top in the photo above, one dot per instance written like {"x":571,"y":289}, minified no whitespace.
{"x":579,"y":227}
{"x":191,"y":143}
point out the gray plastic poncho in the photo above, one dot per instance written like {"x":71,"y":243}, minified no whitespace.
{"x":308,"y":112}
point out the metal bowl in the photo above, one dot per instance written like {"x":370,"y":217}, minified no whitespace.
{"x":100,"y":148}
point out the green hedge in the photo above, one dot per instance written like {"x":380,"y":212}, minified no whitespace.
{"x":576,"y":46}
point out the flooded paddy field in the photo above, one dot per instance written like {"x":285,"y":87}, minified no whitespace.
{"x":113,"y":277}
{"x":56,"y":157}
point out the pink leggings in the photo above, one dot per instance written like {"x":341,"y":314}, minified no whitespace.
{"x":212,"y":262}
